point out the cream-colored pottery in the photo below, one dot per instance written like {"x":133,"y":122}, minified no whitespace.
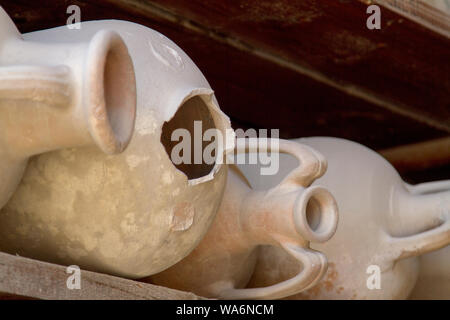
{"x":434,"y":272}
{"x":434,"y":276}
{"x":136,"y":213}
{"x":383,"y":227}
{"x":288,"y":216}
{"x":59,"y":95}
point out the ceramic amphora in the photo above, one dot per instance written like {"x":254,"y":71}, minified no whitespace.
{"x":289,"y":216}
{"x":60,"y":95}
{"x":383,"y":227}
{"x":136,"y":213}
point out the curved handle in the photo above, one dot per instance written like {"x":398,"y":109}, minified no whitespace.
{"x":428,"y":187}
{"x":406,"y":247}
{"x":314,"y":267}
{"x":311,"y":167}
{"x":35,"y":83}
{"x":314,"y":202}
{"x":438,"y":194}
{"x":312,"y":164}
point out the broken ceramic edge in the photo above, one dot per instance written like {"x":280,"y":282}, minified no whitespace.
{"x":224,"y":260}
{"x":221,"y":122}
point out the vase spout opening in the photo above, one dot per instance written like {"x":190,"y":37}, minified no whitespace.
{"x":316,"y":214}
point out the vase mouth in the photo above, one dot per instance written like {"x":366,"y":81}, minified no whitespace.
{"x":316,"y":214}
{"x":110,"y":92}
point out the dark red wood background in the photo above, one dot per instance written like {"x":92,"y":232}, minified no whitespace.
{"x":306,"y":67}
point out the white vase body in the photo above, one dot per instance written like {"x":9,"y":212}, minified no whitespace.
{"x":434,"y":276}
{"x":132,"y":214}
{"x":60,"y":95}
{"x":434,"y":272}
{"x":222,"y":264}
{"x":382,"y":224}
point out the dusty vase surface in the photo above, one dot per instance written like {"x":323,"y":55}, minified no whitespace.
{"x":434,"y":272}
{"x":434,"y":276}
{"x":136,"y":213}
{"x":288,"y":216}
{"x":60,"y":95}
{"x":383,"y":227}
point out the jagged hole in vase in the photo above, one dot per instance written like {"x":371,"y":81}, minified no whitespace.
{"x":191,"y":111}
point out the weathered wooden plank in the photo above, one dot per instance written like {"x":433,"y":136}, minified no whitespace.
{"x":431,"y":14}
{"x":403,"y":67}
{"x":252,"y":91}
{"x":26,"y":278}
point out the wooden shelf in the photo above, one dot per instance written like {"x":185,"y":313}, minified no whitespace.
{"x":305,"y":67}
{"x":23,"y":278}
